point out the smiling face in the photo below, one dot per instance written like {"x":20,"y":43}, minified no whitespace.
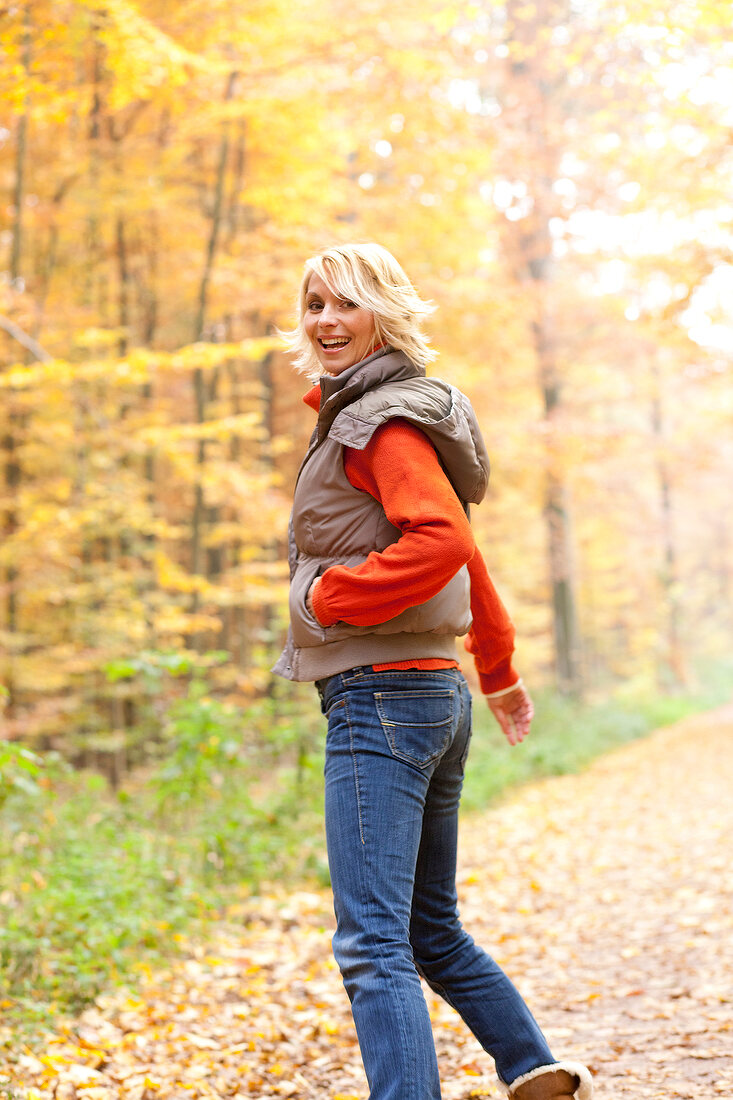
{"x":342,"y":333}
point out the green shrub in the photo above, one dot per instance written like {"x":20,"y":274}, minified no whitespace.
{"x":95,"y":882}
{"x":19,"y":771}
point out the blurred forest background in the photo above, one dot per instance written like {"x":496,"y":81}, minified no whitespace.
{"x":554,"y":174}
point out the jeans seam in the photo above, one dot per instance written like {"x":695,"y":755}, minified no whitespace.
{"x":355,"y":766}
{"x":379,"y":949}
{"x":334,"y":706}
{"x":369,"y":871}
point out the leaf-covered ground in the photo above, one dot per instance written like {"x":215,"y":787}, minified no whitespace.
{"x":607,"y":896}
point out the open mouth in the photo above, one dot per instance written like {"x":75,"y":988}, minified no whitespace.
{"x":333,"y":343}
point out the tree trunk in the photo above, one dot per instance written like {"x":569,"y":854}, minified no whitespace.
{"x":530,"y":87}
{"x":13,"y":474}
{"x":674,"y":660}
{"x":557,"y":515}
{"x":16,"y":246}
{"x":216,"y":214}
{"x":94,"y":134}
{"x":199,"y":508}
{"x":48,"y":267}
{"x":148,"y":288}
{"x":123,"y":312}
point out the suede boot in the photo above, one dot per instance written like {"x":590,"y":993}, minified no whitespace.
{"x":560,"y":1081}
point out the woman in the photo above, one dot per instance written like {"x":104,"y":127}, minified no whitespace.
{"x":385,"y":574}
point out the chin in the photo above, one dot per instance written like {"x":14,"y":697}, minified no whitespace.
{"x":334,"y":371}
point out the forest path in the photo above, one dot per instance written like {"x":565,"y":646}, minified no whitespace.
{"x":607,"y":896}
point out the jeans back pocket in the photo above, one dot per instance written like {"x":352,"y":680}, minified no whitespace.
{"x":418,"y":725}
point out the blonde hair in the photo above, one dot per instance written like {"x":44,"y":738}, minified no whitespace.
{"x":370,"y":276}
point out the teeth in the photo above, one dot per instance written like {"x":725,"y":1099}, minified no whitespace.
{"x":339,"y":340}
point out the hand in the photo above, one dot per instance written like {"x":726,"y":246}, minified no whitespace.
{"x":514,"y":713}
{"x":309,"y":598}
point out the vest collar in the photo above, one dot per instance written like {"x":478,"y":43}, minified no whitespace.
{"x":384,"y":365}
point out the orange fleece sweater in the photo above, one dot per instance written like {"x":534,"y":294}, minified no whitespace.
{"x":400,"y":468}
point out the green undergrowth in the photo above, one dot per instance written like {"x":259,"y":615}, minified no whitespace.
{"x":96,"y":883}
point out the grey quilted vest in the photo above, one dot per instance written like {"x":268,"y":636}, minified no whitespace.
{"x":334,"y":523}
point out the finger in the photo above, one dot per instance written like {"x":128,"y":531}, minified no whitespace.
{"x":506,"y":723}
{"x":508,"y":729}
{"x":521,"y":719}
{"x":521,"y":725}
{"x":522,"y":714}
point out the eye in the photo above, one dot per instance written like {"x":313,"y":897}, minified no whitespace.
{"x":347,"y":304}
{"x":314,"y":305}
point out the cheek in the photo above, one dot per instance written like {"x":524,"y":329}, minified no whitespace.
{"x":368,"y":332}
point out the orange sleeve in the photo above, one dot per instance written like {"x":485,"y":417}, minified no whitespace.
{"x":400,"y":468}
{"x":491,"y":637}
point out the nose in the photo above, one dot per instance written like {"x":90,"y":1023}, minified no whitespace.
{"x":328,"y":314}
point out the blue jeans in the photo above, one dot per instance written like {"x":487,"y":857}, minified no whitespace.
{"x":396,"y":748}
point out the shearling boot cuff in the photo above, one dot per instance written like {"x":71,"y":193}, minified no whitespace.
{"x":583,"y":1091}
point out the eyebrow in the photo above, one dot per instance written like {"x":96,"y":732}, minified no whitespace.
{"x":314,"y":296}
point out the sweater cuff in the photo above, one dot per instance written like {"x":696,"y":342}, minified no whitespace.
{"x":505,"y":691}
{"x":501,"y":679}
{"x":324,"y":616}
